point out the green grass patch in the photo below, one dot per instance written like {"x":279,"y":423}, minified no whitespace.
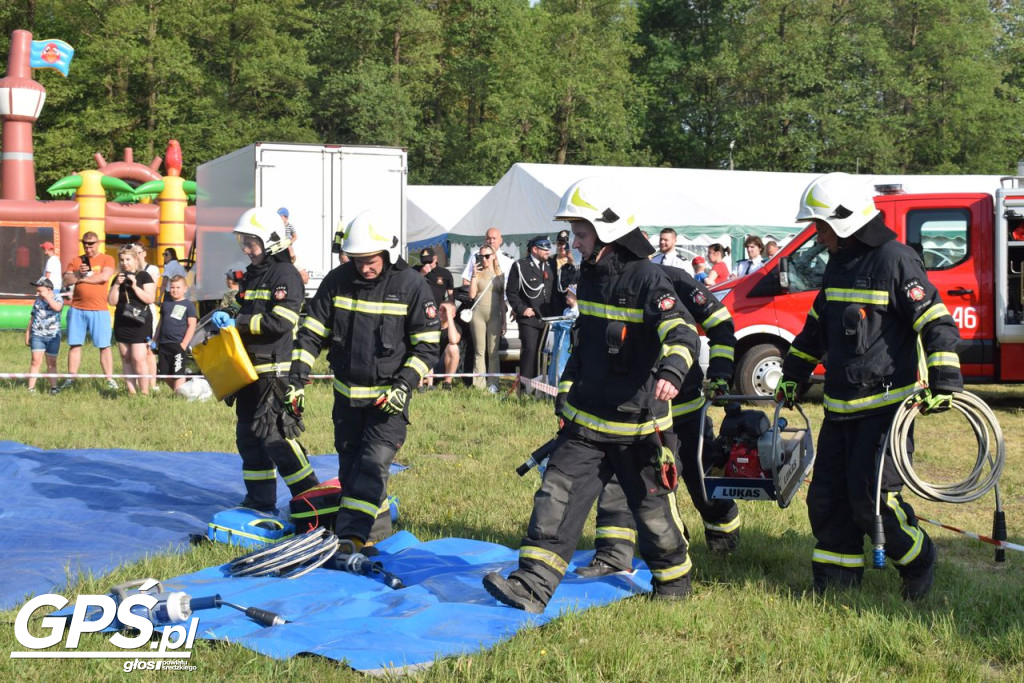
{"x":752,"y":615}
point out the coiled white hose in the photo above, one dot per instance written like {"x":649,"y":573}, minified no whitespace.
{"x":988,"y":464}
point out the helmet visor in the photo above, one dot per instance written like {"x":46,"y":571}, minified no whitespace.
{"x":250,"y":244}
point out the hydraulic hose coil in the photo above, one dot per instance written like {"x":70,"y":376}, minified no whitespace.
{"x":288,"y":559}
{"x":987,"y":466}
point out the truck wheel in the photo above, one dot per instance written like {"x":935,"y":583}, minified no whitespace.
{"x":759,"y":370}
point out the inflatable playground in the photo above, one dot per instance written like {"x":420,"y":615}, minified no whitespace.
{"x":123,"y":201}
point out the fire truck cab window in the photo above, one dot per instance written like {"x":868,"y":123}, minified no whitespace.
{"x":807,"y":266}
{"x":939,"y":236}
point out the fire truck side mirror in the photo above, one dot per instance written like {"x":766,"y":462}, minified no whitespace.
{"x":784,"y":274}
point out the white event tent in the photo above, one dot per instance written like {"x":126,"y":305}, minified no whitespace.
{"x":431,"y":211}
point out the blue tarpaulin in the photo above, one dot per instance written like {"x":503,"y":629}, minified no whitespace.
{"x":70,"y":511}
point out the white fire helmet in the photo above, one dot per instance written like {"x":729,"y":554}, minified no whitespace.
{"x":367,"y":234}
{"x":264,"y":224}
{"x":841,"y":200}
{"x":593,"y":200}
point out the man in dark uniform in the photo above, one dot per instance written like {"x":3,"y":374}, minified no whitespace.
{"x":615,"y":536}
{"x":529,"y":290}
{"x":439,"y":279}
{"x":270,"y":296}
{"x":874,"y":306}
{"x":382,"y":323}
{"x":566,"y":273}
{"x":633,"y":345}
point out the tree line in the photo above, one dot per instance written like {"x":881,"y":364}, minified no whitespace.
{"x":470,"y":87}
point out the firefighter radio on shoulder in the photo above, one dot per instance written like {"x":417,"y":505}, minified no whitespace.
{"x":754,"y":457}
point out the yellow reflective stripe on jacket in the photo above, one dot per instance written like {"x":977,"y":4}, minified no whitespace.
{"x":263,"y":368}
{"x":255,"y":323}
{"x":665,"y":326}
{"x":722,"y":351}
{"x":675,"y":350}
{"x":303,"y":356}
{"x":866,"y":403}
{"x":812,"y":313}
{"x":316,"y":327}
{"x":857,"y":296}
{"x":258,"y":475}
{"x":257,"y":295}
{"x":433,"y":337}
{"x":615,"y":428}
{"x":358,"y":392}
{"x":803,"y":356}
{"x":564,"y":387}
{"x":931,"y":313}
{"x":914,"y":532}
{"x":286,"y":313}
{"x":680,"y":409}
{"x":532,"y":552}
{"x":372,"y":307}
{"x":719,"y":316}
{"x":609,"y":312}
{"x":366,"y":507}
{"x":417,"y":365}
{"x":623,"y":533}
{"x":943,"y":359}
{"x":725,"y":528}
{"x":826,"y":557}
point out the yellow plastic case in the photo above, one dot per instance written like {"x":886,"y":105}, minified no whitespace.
{"x":224,"y":363}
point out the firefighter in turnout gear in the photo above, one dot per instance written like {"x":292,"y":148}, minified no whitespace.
{"x":874,"y":306}
{"x":616,"y":535}
{"x":632,"y":348}
{"x":270,"y":294}
{"x":379,"y":318}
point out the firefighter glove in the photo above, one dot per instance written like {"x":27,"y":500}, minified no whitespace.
{"x":295,"y":400}
{"x":394,"y":399}
{"x":785,"y":393}
{"x":291,"y":425}
{"x":264,"y":420}
{"x":221,"y":319}
{"x":934,"y":402}
{"x":717,"y":388}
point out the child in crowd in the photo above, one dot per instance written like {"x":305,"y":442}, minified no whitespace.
{"x":572,"y":308}
{"x":177,"y":325}
{"x":700,"y":268}
{"x":43,"y":332}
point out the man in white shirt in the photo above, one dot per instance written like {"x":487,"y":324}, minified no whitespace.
{"x":492,"y":239}
{"x":753,"y":247}
{"x":667,"y":255}
{"x":51,"y":270}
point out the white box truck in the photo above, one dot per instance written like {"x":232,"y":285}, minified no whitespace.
{"x":320,"y":185}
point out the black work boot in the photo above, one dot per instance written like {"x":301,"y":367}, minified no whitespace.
{"x":919,"y":575}
{"x":596,"y":568}
{"x":513,"y":592}
{"x":832,"y":577}
{"x":679,"y":589}
{"x":269,"y":508}
{"x":722,"y":542}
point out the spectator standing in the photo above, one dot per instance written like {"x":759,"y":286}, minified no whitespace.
{"x":440,"y":279}
{"x":89,"y":273}
{"x":293,"y":236}
{"x":229,"y":302}
{"x":172,"y":267}
{"x":42,"y":335}
{"x":178,"y":321}
{"x":564,"y":267}
{"x":51,"y":269}
{"x":700,"y":268}
{"x":492,"y":238}
{"x":154,"y":272}
{"x":487,"y":290}
{"x":753,"y":247}
{"x":719,"y":272}
{"x":131,"y":293}
{"x":771,"y":248}
{"x":529,"y":290}
{"x":667,"y":255}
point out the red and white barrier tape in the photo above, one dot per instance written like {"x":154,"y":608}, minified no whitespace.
{"x":977,"y":537}
{"x":542,"y":387}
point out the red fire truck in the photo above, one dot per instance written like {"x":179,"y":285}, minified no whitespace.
{"x":972,"y":245}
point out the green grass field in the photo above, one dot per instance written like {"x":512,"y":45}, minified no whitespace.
{"x":752,"y":615}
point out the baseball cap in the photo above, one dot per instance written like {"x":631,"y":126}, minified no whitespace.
{"x":698,"y":261}
{"x":42,"y":282}
{"x":563,"y":237}
{"x":283,"y":211}
{"x":426,"y":255}
{"x":46,"y":245}
{"x":540,"y":241}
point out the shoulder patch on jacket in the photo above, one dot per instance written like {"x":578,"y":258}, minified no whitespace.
{"x":914,"y":290}
{"x":430,"y":310}
{"x":281,"y":292}
{"x":698,"y":298}
{"x":666,"y":302}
